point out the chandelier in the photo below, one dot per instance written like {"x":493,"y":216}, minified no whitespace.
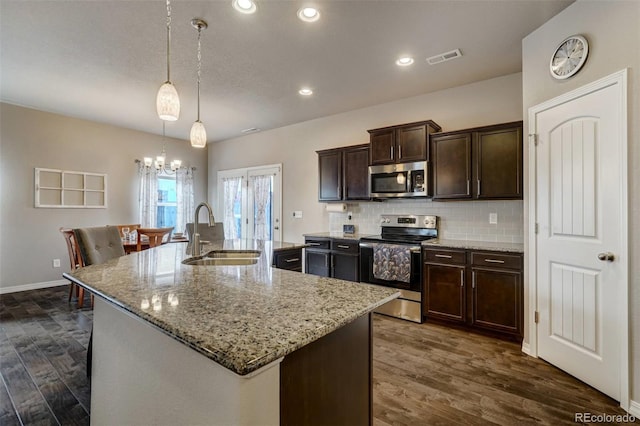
{"x":160,"y":163}
{"x":167,"y":100}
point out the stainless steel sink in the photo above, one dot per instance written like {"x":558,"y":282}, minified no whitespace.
{"x":235,"y":254}
{"x":224,"y":257}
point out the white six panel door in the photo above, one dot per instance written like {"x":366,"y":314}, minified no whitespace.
{"x":578,"y":214}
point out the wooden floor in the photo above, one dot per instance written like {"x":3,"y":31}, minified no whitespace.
{"x":423,"y":374}
{"x":427,"y":374}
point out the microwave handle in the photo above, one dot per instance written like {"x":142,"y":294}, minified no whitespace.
{"x":408,"y":187}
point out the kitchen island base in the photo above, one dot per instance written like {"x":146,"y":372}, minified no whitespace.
{"x":141,"y":375}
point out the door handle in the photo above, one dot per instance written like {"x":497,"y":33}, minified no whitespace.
{"x":276,"y":228}
{"x":606,"y":257}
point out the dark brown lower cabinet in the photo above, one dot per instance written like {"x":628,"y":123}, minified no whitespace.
{"x":445,"y":293}
{"x":290,"y":259}
{"x":333,"y":257}
{"x":480,"y":290}
{"x":497,"y":299}
{"x":329,"y":381}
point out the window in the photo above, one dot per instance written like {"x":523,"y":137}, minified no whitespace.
{"x":167,"y":209}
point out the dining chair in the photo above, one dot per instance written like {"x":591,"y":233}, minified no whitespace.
{"x":97,"y":245}
{"x":207,"y":233}
{"x":156,"y":236}
{"x":75,"y":262}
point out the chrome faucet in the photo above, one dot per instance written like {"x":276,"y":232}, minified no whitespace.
{"x":195,"y":244}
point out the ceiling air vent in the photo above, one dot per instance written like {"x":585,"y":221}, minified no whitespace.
{"x":250,"y":130}
{"x":443,"y":57}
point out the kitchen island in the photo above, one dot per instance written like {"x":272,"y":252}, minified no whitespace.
{"x":248,"y":344}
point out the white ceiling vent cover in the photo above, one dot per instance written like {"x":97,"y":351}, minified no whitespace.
{"x":443,"y":57}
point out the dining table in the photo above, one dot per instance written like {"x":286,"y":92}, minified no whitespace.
{"x":131,"y":246}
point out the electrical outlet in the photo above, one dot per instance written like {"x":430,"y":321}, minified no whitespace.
{"x":56,"y":263}
{"x":493,"y":218}
{"x":297,"y":214}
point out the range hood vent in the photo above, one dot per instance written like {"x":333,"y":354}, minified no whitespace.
{"x":443,"y":57}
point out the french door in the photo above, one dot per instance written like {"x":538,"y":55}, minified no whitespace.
{"x":250,"y":200}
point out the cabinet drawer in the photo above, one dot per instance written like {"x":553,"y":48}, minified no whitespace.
{"x":345,"y":246}
{"x":496,"y":260}
{"x":317,"y":243}
{"x":453,"y":257}
{"x":291,"y":260}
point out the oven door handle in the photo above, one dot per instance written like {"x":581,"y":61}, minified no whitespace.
{"x":413,"y":249}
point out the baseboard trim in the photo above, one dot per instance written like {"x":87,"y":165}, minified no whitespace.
{"x":527,"y":349}
{"x":634,"y":409}
{"x":33,"y":286}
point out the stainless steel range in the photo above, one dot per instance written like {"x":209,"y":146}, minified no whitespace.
{"x":393,"y":259}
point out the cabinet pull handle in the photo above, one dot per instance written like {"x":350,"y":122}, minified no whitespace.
{"x":342,"y":246}
{"x":473,"y":281}
{"x":461,"y":277}
{"x":468,"y":186}
{"x":399,"y":152}
{"x":392,"y":152}
{"x":295,"y":259}
{"x":446,"y":256}
{"x":478,"y":186}
{"x":494,"y":261}
{"x":313,"y":244}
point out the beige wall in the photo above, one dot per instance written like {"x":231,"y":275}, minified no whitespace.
{"x":30,"y":139}
{"x":488,"y":102}
{"x":613,"y":31}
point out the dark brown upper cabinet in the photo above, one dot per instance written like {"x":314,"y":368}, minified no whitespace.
{"x":401,"y":144}
{"x":343,"y":173}
{"x":479,"y":163}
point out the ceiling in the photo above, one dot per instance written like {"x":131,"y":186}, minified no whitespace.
{"x":105,"y":60}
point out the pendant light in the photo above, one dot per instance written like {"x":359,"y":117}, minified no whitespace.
{"x":167,"y":101}
{"x":198,"y":134}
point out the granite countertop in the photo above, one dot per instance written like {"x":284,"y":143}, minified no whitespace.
{"x":336,"y":234}
{"x":475,"y":245}
{"x":242,"y":317}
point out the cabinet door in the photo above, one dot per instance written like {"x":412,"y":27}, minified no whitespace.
{"x":498,"y":163}
{"x":382,"y":145}
{"x":411,"y":144}
{"x":451,"y":156}
{"x":497,"y":300}
{"x":445,"y":292}
{"x":355,"y":164}
{"x":317,"y":263}
{"x":330,"y":176}
{"x":345,"y":267}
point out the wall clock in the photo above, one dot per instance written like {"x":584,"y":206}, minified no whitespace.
{"x":569,"y":57}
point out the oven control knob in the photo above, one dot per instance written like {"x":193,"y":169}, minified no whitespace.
{"x":387,"y":220}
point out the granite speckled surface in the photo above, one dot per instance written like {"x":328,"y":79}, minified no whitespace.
{"x":336,"y":234}
{"x":475,"y":245}
{"x":242,"y":317}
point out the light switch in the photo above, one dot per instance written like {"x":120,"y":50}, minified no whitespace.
{"x":493,"y":218}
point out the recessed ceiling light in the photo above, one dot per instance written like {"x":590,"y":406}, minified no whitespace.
{"x":308,"y":14}
{"x":244,"y":6}
{"x":305,"y":91}
{"x":404,"y":61}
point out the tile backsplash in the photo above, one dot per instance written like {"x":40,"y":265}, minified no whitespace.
{"x":459,"y":220}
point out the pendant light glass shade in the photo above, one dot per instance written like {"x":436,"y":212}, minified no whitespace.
{"x":198,"y":135}
{"x":168,"y":102}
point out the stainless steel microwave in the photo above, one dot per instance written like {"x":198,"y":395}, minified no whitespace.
{"x":398,"y":180}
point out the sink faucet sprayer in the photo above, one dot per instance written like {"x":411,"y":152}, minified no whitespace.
{"x":195,"y":244}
